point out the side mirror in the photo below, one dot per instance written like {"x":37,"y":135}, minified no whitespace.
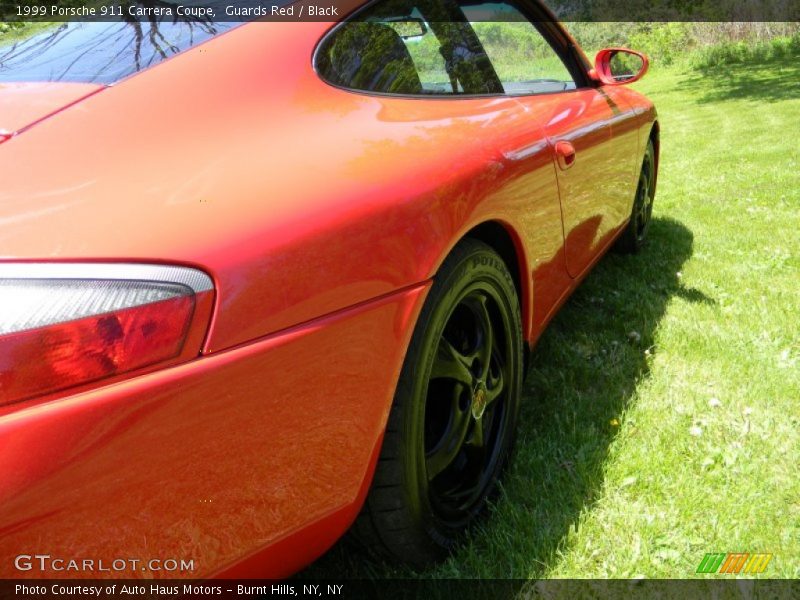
{"x":618,"y":66}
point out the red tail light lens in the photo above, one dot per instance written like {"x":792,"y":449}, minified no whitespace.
{"x":59,"y":333}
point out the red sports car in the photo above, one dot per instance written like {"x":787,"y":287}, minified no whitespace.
{"x":259,"y":287}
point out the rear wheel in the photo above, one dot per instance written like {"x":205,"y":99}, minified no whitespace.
{"x":452,"y":424}
{"x":635,"y":234}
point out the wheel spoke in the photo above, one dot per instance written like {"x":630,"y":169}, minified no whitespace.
{"x":486,"y":342}
{"x":477,"y":439}
{"x":446,"y":451}
{"x":451,"y":364}
{"x":643,"y":204}
{"x":495,"y":387}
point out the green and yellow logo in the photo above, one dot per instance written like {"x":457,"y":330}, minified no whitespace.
{"x":734,"y":562}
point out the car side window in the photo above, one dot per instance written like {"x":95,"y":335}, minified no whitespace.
{"x":407,"y":47}
{"x":426,"y":53}
{"x":523,"y":59}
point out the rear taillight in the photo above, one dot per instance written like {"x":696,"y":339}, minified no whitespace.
{"x":64,"y":325}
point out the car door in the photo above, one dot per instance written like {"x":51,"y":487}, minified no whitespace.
{"x":539,"y":70}
{"x":580,"y":133}
{"x":483,"y":138}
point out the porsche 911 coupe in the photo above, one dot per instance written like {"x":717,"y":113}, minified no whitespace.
{"x":263,"y":283}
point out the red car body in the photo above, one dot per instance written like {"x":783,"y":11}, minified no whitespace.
{"x":321,"y":215}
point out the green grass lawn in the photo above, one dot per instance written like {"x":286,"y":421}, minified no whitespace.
{"x":661,"y":419}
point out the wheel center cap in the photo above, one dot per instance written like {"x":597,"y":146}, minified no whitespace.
{"x":479,"y":400}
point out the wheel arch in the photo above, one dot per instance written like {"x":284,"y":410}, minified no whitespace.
{"x":504,"y":239}
{"x":655,"y":136}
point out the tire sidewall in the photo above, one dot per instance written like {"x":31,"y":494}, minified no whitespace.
{"x":649,"y":157}
{"x":481,"y":265}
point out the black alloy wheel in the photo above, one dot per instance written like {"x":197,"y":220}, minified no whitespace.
{"x":452,"y":425}
{"x":635,"y":234}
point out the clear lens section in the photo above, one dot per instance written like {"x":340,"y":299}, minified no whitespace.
{"x":30,"y":303}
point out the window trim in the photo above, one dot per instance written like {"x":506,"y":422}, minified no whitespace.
{"x":550,"y":29}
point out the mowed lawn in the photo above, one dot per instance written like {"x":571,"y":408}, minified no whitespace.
{"x":661,"y":419}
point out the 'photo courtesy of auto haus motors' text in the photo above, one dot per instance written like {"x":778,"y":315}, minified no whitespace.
{"x":399,"y":298}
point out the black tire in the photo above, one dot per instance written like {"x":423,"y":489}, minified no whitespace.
{"x":451,"y":428}
{"x":635,"y":234}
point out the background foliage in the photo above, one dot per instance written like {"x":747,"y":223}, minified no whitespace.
{"x":694,"y":45}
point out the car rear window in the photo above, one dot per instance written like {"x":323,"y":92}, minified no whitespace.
{"x":99,"y":52}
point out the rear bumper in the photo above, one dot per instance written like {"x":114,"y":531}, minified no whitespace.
{"x":215,"y":461}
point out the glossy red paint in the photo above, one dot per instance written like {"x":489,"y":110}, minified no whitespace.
{"x":321,"y":216}
{"x":23,"y":104}
{"x":214,"y":460}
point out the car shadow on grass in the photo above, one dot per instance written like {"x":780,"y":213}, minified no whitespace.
{"x":765,"y":80}
{"x":584,"y":374}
